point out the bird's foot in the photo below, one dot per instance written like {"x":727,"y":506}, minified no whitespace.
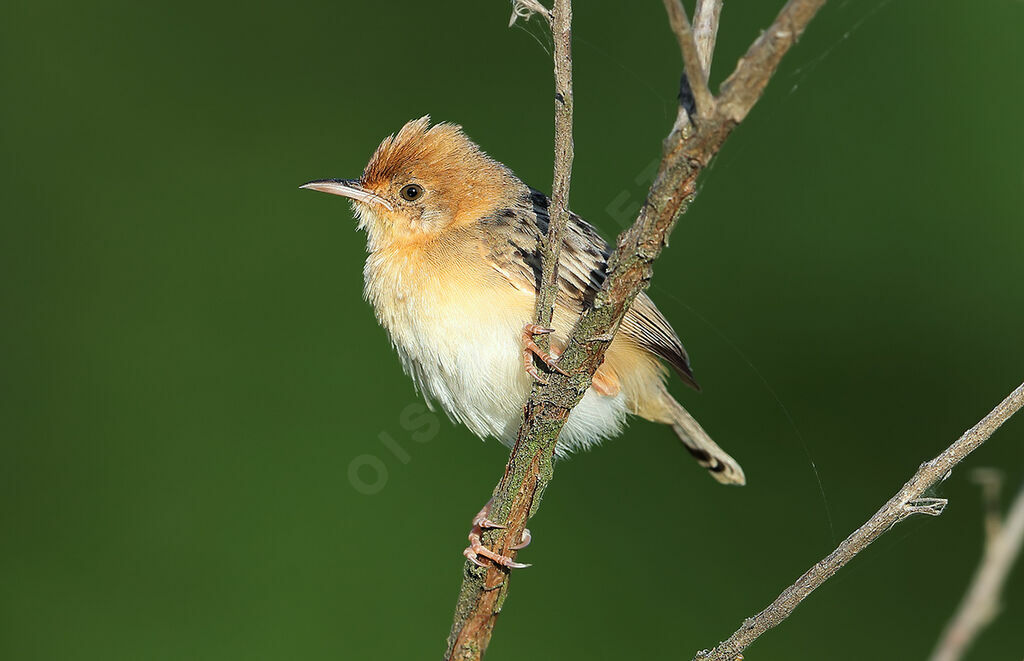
{"x":476,"y":549}
{"x":530,"y":349}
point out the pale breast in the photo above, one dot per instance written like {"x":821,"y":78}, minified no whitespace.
{"x":456,"y":327}
{"x":456,"y":324}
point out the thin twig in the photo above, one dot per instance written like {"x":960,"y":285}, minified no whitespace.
{"x":561,"y":31}
{"x":705,"y":31}
{"x":980,"y":604}
{"x":908,"y":501}
{"x":692,"y":62}
{"x":629,"y":269}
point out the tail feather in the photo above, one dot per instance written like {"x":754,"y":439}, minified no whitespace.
{"x":708,"y":454}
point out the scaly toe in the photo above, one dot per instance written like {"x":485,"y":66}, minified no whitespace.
{"x":474,"y":551}
{"x":471,"y":555}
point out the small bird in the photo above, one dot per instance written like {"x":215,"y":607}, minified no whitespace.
{"x":452,"y":272}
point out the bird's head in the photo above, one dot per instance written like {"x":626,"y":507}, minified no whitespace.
{"x":423,"y":181}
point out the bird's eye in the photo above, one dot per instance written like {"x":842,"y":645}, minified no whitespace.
{"x":411,"y":192}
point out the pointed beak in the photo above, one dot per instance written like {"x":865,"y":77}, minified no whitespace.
{"x":350,"y":188}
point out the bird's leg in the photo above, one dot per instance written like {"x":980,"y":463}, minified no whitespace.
{"x":477,"y":549}
{"x":530,"y":349}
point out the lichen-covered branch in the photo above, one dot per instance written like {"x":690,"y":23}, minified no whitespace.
{"x":685,"y":153}
{"x":530,"y":464}
{"x":908,"y":501}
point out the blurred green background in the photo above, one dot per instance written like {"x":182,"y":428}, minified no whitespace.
{"x":190,"y":372}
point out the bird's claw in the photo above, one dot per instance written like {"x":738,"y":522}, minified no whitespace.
{"x":530,"y":349}
{"x":476,"y":548}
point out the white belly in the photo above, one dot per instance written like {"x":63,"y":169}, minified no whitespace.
{"x":466,"y":355}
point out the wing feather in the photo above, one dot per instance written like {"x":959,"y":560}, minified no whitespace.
{"x":581,"y":274}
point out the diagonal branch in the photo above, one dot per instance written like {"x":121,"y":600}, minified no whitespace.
{"x":686,"y":151}
{"x":744,"y":87}
{"x":908,"y":501}
{"x":530,"y":462}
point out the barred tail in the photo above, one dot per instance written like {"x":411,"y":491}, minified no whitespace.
{"x":722,"y":467}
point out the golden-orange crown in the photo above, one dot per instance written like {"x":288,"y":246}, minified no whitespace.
{"x":419,"y":147}
{"x":462,"y":180}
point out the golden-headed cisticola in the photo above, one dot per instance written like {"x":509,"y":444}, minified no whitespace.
{"x":452,"y":273}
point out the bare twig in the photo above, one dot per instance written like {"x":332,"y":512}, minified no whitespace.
{"x":561,"y":30}
{"x":685,"y":154}
{"x":692,"y":61}
{"x":981,"y":603}
{"x":705,"y":31}
{"x":908,"y":501}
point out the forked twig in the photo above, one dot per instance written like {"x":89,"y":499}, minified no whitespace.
{"x":694,"y":64}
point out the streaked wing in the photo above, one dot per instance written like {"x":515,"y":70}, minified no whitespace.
{"x":514,"y":235}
